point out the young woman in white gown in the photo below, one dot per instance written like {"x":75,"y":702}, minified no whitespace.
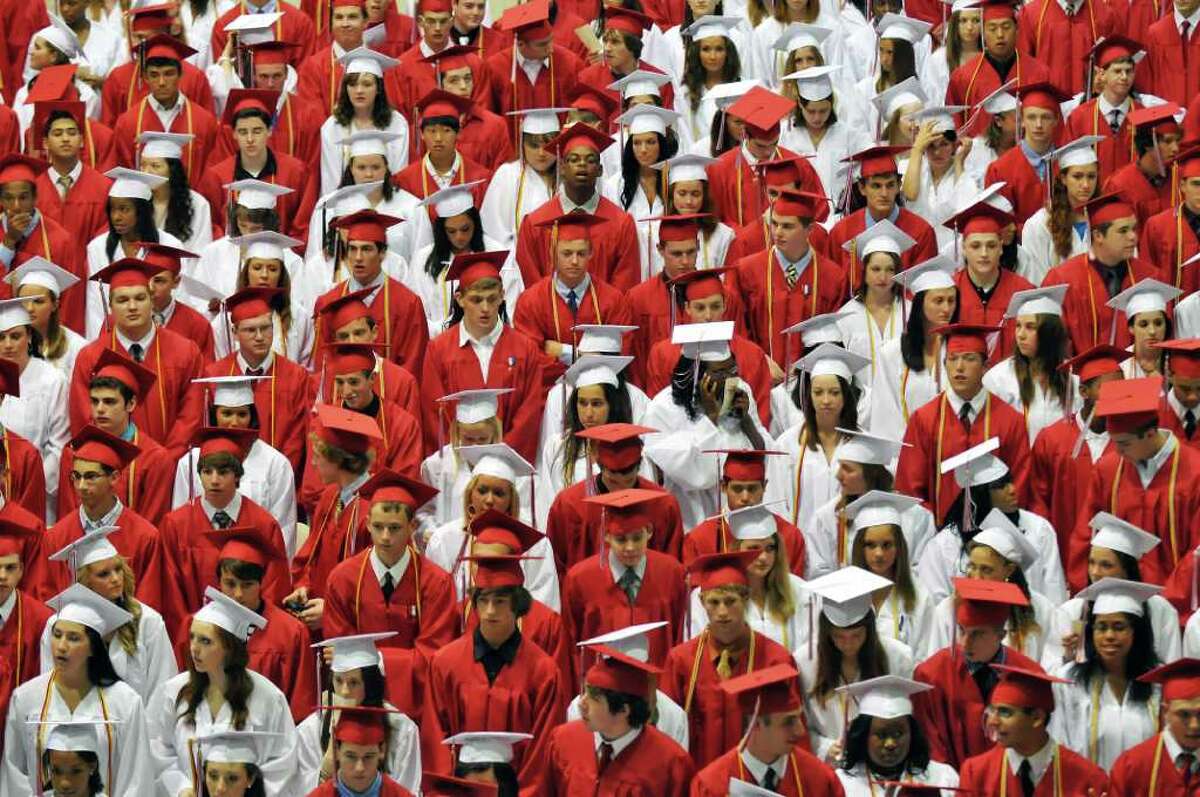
{"x":822,"y":125}
{"x":178,"y":208}
{"x":963,"y":41}
{"x":41,"y":283}
{"x":522,"y":186}
{"x":711,"y":57}
{"x":1144,"y":306}
{"x":688,"y":192}
{"x":1060,"y":230}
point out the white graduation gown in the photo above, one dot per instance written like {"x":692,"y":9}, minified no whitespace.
{"x":863,"y":335}
{"x":267,"y":711}
{"x":1187,"y":317}
{"x":39,"y":415}
{"x":792,"y":633}
{"x":1106,"y":731}
{"x":450,"y":476}
{"x":1031,"y":646}
{"x":218,"y":267}
{"x":979,"y":158}
{"x":447,"y":541}
{"x":939,"y":200}
{"x":821,"y":537}
{"x":437,"y":296}
{"x":403,"y":752}
{"x":935,"y":75}
{"x":98,"y":259}
{"x":897,"y":392}
{"x":552,"y":416}
{"x":672,"y":64}
{"x":202,"y":227}
{"x":334,"y":156}
{"x":907,"y":626}
{"x":672,"y":719}
{"x":841,"y":139}
{"x":639,"y":208}
{"x":769,"y":62}
{"x":65,"y":363}
{"x":855,"y":782}
{"x":812,"y":479}
{"x":1039,"y":246}
{"x":1164,"y":619}
{"x":1001,"y":381}
{"x":403,"y":238}
{"x":513,"y":193}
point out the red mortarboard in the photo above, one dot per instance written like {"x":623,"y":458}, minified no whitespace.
{"x":436,"y":6}
{"x":681,"y":227}
{"x":986,"y":603}
{"x":246,"y":544}
{"x":1183,"y":356}
{"x":16,"y":537}
{"x":454,"y":57}
{"x":163,"y":46}
{"x":51,"y":83}
{"x":1108,"y":208}
{"x":437,"y":103}
{"x":470,"y":267}
{"x":225,"y":440}
{"x":577,"y":135}
{"x":251,"y":303}
{"x":801,"y":204}
{"x":726,"y":569}
{"x":133,"y":375}
{"x":618,"y":445}
{"x":96,"y":445}
{"x":589,"y":98}
{"x":780,"y":171}
{"x":771,"y":690}
{"x":619,"y":672}
{"x":361,"y":724}
{"x":1188,"y":161}
{"x":761,"y":110}
{"x":274,"y":53}
{"x":1024,"y":688}
{"x":10,"y":378}
{"x":998,"y":9}
{"x":876,"y":160}
{"x":1180,"y":679}
{"x":387,"y":486}
{"x":361,"y":4}
{"x":20,"y":167}
{"x":626,"y":20}
{"x":347,"y":358}
{"x":265,"y":100}
{"x":1128,"y":405}
{"x":150,"y":18}
{"x":435,"y":784}
{"x":530,"y":21}
{"x":965,"y":338}
{"x":1098,"y":360}
{"x":573,"y":226}
{"x":128,"y":272}
{"x":979,"y":218}
{"x":1110,"y":48}
{"x":366,"y":225}
{"x":497,"y":571}
{"x":1042,"y":95}
{"x":165,"y":258}
{"x":496,"y":528}
{"x":345,"y":309}
{"x":909,"y":788}
{"x":348,"y":430}
{"x":744,"y":464}
{"x":701,"y":283}
{"x":1161,"y":117}
{"x":627,"y":511}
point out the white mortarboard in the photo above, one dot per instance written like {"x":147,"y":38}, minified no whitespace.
{"x":486,"y":747}
{"x":355,"y":652}
{"x":964,"y":5}
{"x":497,"y":460}
{"x":879,"y":508}
{"x":712,"y":25}
{"x":78,"y":604}
{"x":936,"y":272}
{"x":453,"y":200}
{"x":369,"y":142}
{"x":598,"y":369}
{"x":942,"y":117}
{"x":1000,"y":100}
{"x":898,"y":26}
{"x":999,"y":533}
{"x":540,"y":121}
{"x":226,"y":613}
{"x":887,"y":697}
{"x":474,"y":406}
{"x":376,"y":34}
{"x":601,"y":338}
{"x":254,"y":28}
{"x":704,"y":342}
{"x":265,"y":244}
{"x":1037,"y":301}
{"x":869,"y":449}
{"x":231,"y":391}
{"x":256,"y":194}
{"x":754,"y":522}
{"x":200,"y":290}
{"x":906,"y":92}
{"x":131,"y":184}
{"x":640,"y":83}
{"x":828,"y":359}
{"x":632,"y":640}
{"x":992,"y":195}
{"x":73,"y":736}
{"x":164,"y":145}
{"x":822,"y":328}
{"x":1111,"y":595}
{"x":1080,"y":152}
{"x":60,"y":36}
{"x":1109,"y":531}
{"x":37,"y":270}
{"x":1144,"y":296}
{"x":347,"y":200}
{"x":362,"y":60}
{"x":813,"y":83}
{"x":648,"y":119}
{"x":882,"y":236}
{"x":235,"y":747}
{"x":686,"y":167}
{"x":743,"y":788}
{"x":92,"y":547}
{"x":726,"y":94}
{"x":797,"y":35}
{"x":13,"y":314}
{"x":976,"y":465}
{"x":846,"y":594}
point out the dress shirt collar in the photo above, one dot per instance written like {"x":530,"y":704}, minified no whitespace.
{"x":54,"y":174}
{"x":800,"y":264}
{"x":1174,"y":749}
{"x":355,"y":285}
{"x":1180,"y":410}
{"x":1149,"y":468}
{"x":6,"y":608}
{"x":869,"y":220}
{"x":488,"y":341}
{"x":347,"y":493}
{"x":266,"y":365}
{"x":397,"y":570}
{"x":619,"y":743}
{"x":145,"y":340}
{"x":1036,"y":160}
{"x":166,"y":313}
{"x":1180,"y":19}
{"x":1039,"y":762}
{"x":569,"y":206}
{"x":580,"y":290}
{"x":977,"y":401}
{"x":759,"y":768}
{"x":433,"y":172}
{"x":109,"y":519}
{"x":1106,"y":107}
{"x":233,"y":509}
{"x":619,"y":569}
{"x":507,"y":650}
{"x":158,"y":107}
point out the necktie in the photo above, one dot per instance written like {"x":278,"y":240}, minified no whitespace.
{"x":221,"y":519}
{"x":136,"y":352}
{"x":770,"y":780}
{"x":606,"y":756}
{"x":572,"y":301}
{"x":790,"y":274}
{"x":1185,"y":33}
{"x":629,"y":583}
{"x":254,"y":372}
{"x":160,"y":319}
{"x":64,"y":184}
{"x":388,"y":587}
{"x":1025,"y":774}
{"x":724,"y":665}
{"x":1114,"y":120}
{"x":985,"y":679}
{"x":1189,"y":424}
{"x":964,"y":417}
{"x":1112,"y":281}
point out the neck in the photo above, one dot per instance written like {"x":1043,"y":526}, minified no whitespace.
{"x":756,"y":748}
{"x":794,"y":251}
{"x":254,"y":163}
{"x":736,"y":643}
{"x":219,"y":500}
{"x":64,"y":165}
{"x":1040,"y":147}
{"x":570,"y":283}
{"x":345,"y":477}
{"x":1105,"y":259}
{"x":1033,"y":746}
{"x":1113,"y":99}
{"x":1150,"y":164}
{"x":100,"y":507}
{"x":1002,"y":59}
{"x":170,"y":103}
{"x":938,"y":170}
{"x":138,"y":332}
{"x":253,"y":360}
{"x":443,"y":161}
{"x":758,"y":588}
{"x":80,"y":24}
{"x":217,"y":681}
{"x":475,"y":330}
{"x":388,"y":558}
{"x":984,"y":277}
{"x":75,"y":679}
{"x":968,"y":393}
{"x":616,"y":733}
{"x":878,"y":216}
{"x":879,"y":297}
{"x":579,"y":194}
{"x":827,"y":432}
{"x":495,"y":635}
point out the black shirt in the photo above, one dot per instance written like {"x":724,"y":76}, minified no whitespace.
{"x":493,"y":659}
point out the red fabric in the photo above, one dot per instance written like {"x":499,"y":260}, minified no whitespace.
{"x":615,"y":256}
{"x":917,"y":471}
{"x":25,"y":482}
{"x":543,"y":626}
{"x":516,"y":362}
{"x":1056,"y":480}
{"x":10,"y":132}
{"x":416,"y":180}
{"x":1130,"y":773}
{"x":54,"y":244}
{"x":354,"y":604}
{"x":1088,"y":327}
{"x":18,"y":23}
{"x":1114,"y":151}
{"x":1138,"y":15}
{"x":117,"y":96}
{"x":752,"y":237}
{"x":542,"y":315}
{"x":37,"y":567}
{"x":714,"y":716}
{"x":818,"y":779}
{"x":1148,"y":199}
{"x":1063,"y":43}
{"x":1079,"y":776}
{"x":732,"y":170}
{"x":572,"y":525}
{"x":295,"y":209}
{"x":712,"y":536}
{"x":513,"y":91}
{"x":599,"y":76}
{"x":850,"y":227}
{"x":751,"y":362}
{"x":485,"y":139}
{"x":654,"y":765}
{"x":30,"y":616}
{"x":1023,"y":187}
{"x":197,"y":156}
{"x":188,"y":323}
{"x":1167,"y":71}
{"x":295,"y":27}
{"x":88,"y":197}
{"x":405,"y":85}
{"x":399,"y":317}
{"x":153,"y":481}
{"x":977,"y":78}
{"x":593,"y":604}
{"x":1158,"y":240}
{"x":336,"y":533}
{"x":390,"y":788}
{"x":971,"y":310}
{"x":314,"y":82}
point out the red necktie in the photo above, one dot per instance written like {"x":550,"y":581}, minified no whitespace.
{"x":606,"y":755}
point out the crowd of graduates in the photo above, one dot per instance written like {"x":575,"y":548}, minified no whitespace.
{"x":637,"y":398}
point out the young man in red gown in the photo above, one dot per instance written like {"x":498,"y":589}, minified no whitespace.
{"x":1164,"y":764}
{"x":21,"y":630}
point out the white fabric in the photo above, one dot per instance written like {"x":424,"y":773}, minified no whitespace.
{"x":202,"y":227}
{"x":501,"y":212}
{"x":887,"y":417}
{"x":1164,"y":619}
{"x":552,"y":415}
{"x":639,"y":208}
{"x":1038,"y":243}
{"x":841,"y":139}
{"x":403,"y":754}
{"x":1119,"y":724}
{"x":450,"y":475}
{"x":864,"y":336}
{"x":541,"y":578}
{"x":1046,"y":408}
{"x":817,"y":478}
{"x":39,"y":415}
{"x":821,"y":537}
{"x":65,"y":362}
{"x":334,"y":155}
{"x":855,"y":783}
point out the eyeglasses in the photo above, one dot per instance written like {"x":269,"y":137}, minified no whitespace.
{"x":89,"y":477}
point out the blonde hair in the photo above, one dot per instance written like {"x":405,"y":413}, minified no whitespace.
{"x":128,"y":633}
{"x":513,"y":508}
{"x":781,"y":602}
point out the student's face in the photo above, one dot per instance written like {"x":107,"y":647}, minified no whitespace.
{"x":354,"y":389}
{"x":726,"y":611}
{"x":629,"y":548}
{"x":69,"y":774}
{"x":358,"y":764}
{"x":489,"y":492}
{"x":227,"y":780}
{"x":131,"y":307}
{"x":255,"y":336}
{"x":1027,"y":335}
{"x":848,"y":641}
{"x":827,"y":397}
{"x":710,"y":308}
{"x":1103,"y":563}
{"x":251,"y":135}
{"x":206,"y":648}
{"x":161,"y":286}
{"x":1135,"y":447}
{"x":109,"y":410}
{"x":246,"y":592}
{"x":688,"y":196}
{"x":122,"y":214}
{"x":460,"y":230}
{"x":69,"y":647}
{"x":768,"y":552}
{"x":985,"y":564}
{"x":880,"y":191}
{"x":1081,"y":183}
{"x":1183,"y":721}
{"x":92,"y":484}
{"x":889,"y":742}
{"x":481,"y":306}
{"x":594,"y":711}
{"x":1000,"y":37}
{"x":1187,"y":391}
{"x":64,"y":140}
{"x":106,"y":578}
{"x":14,"y":344}
{"x":1014,"y":726}
{"x":349,"y":687}
{"x":1112,"y":635}
{"x":348,"y":24}
{"x":646,"y":149}
{"x":850,"y":477}
{"x":365,"y":259}
{"x":879,"y":549}
{"x":17,"y":197}
{"x":439,"y":140}
{"x":571,"y":260}
{"x":965,"y":370}
{"x":233,"y":417}
{"x":679,"y":257}
{"x":469,"y":13}
{"x":390,"y":529}
{"x":591,"y":404}
{"x":368,"y":169}
{"x":360,"y":330}
{"x":435,"y":29}
{"x":219,"y":485}
{"x":270,"y":76}
{"x":539,"y":158}
{"x":1147,"y":329}
{"x":778,"y":734}
{"x":581,"y":168}
{"x":11,"y":571}
{"x":163,"y":82}
{"x":981,"y":251}
{"x":459,"y":82}
{"x":1039,"y":125}
{"x":39,"y":303}
{"x":980,"y":643}
{"x":496,"y":613}
{"x":740,"y":494}
{"x":1118,"y":243}
{"x":362,"y":88}
{"x":712,"y":54}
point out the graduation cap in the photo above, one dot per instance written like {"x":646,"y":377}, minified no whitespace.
{"x":254,"y":28}
{"x":588,"y":99}
{"x":246,"y":544}
{"x":13,"y":314}
{"x":813,"y":84}
{"x":224,"y":612}
{"x":1037,"y":301}
{"x":601,"y":338}
{"x":369,"y":142}
{"x":977,"y":465}
{"x":475,"y":406}
{"x":711,"y":26}
{"x":53,"y":83}
{"x":529,"y":21}
{"x":761,"y":110}
{"x":113,"y":364}
{"x":1112,"y":595}
{"x":236,"y":747}
{"x":387,"y":486}
{"x":865,"y":448}
{"x":497,"y":460}
{"x":165,"y":258}
{"x":828,"y":359}
{"x":576,"y":136}
{"x":366,"y":225}
{"x":150,"y":17}
{"x":1080,"y":152}
{"x":998,"y":9}
{"x":78,"y":604}
{"x":618,"y":672}
{"x":225,"y":440}
{"x":633,"y":641}
{"x":252,"y":302}
{"x":1187,"y":162}
{"x":1024,"y":687}
{"x":647,"y":118}
{"x":1110,"y":531}
{"x":700,"y":283}
{"x":801,"y":204}
{"x":882,"y":236}
{"x":626,"y":511}
{"x":166,"y":47}
{"x":898,"y":26}
{"x":94,"y":546}
{"x":60,"y":36}
{"x":493,"y":527}
{"x":886,"y":697}
{"x":264,"y":100}
{"x":771,"y":690}
{"x":256,"y":194}
{"x":966,"y":338}
{"x":540,"y":121}
{"x":744,"y":464}
{"x":797,"y":35}
{"x":754,"y":522}
{"x":1129,"y":405}
{"x":344,"y":201}
{"x":435,"y":784}
{"x":626,"y":20}
{"x":486,"y":747}
{"x":93,"y":444}
{"x":456,"y":56}
{"x":363,"y":725}
{"x":275,"y":53}
{"x":879,"y":508}
{"x":1108,"y":208}
{"x":986,"y":603}
{"x":980,"y":218}
{"x":496,"y":571}
{"x":73,"y":735}
{"x":725,"y":569}
{"x":1161,"y":118}
{"x":132,"y":184}
{"x":42,"y":111}
{"x":234,"y":390}
{"x":345,"y":429}
{"x":453,"y":200}
{"x":724,"y":95}
{"x":356,"y":651}
{"x":1180,"y":679}
{"x":640,"y":83}
{"x":875,"y":160}
{"x":346,"y":309}
{"x":597,"y":369}
{"x":707,"y":342}
{"x":467,"y":268}
{"x":16,"y":537}
{"x":846,"y":594}
{"x":438,"y":104}
{"x":1096,"y":361}
{"x":1115,"y":47}
{"x":164,"y":145}
{"x":822,"y":328}
{"x":1145,"y":296}
{"x":365,"y":61}
{"x":346,"y":358}
{"x":617,"y":446}
{"x":1183,"y":357}
{"x":1002,"y":536}
{"x":906,"y":92}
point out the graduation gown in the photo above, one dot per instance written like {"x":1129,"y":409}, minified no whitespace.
{"x":513,"y":91}
{"x":1023,"y":187}
{"x":336,"y":533}
{"x":295,"y":27}
{"x":124,"y":87}
{"x":1145,"y":764}
{"x":1057,"y":479}
{"x":1148,"y":198}
{"x":973,"y":310}
{"x":1159,"y":241}
{"x":975,"y":79}
{"x":1116,"y":150}
{"x":1167,"y":71}
{"x":653,"y":765}
{"x":294,"y":209}
{"x":850,"y":227}
{"x":737,"y":192}
{"x":935,"y":434}
{"x":87,"y":199}
{"x":399,"y":317}
{"x":319,"y":79}
{"x":615,"y":259}
{"x":598,"y":76}
{"x":715,"y":717}
{"x":1063,"y":43}
{"x":1117,"y":726}
{"x":10,"y":131}
{"x":542,"y":315}
{"x":805,"y":775}
{"x":50,"y":240}
{"x":516,"y":362}
{"x":712,"y":536}
{"x":188,"y":323}
{"x":952,"y":714}
{"x":527,"y":696}
{"x":542,"y":626}
{"x":387,"y":788}
{"x":594,"y":604}
{"x":192,"y":118}
{"x":143,"y":486}
{"x":484,"y":138}
{"x":24,"y":482}
{"x":1086,"y":314}
{"x":751,"y":364}
{"x":19,"y":637}
{"x":1069,"y":774}
{"x":451,"y":540}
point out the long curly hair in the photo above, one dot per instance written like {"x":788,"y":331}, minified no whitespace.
{"x":128,"y":633}
{"x":238,"y":684}
{"x":631,"y":170}
{"x":694,"y":75}
{"x":146,"y":229}
{"x":179,"y":203}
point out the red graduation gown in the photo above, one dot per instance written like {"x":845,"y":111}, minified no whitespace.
{"x":771,"y":306}
{"x":528,"y":696}
{"x":295,"y":209}
{"x":1133,"y":770}
{"x":751,"y":362}
{"x":395,"y":385}
{"x":337,"y":532}
{"x":972,"y":310}
{"x":10,"y":132}
{"x":542,"y":315}
{"x":416,"y":179}
{"x":407,"y":83}
{"x":974,"y":80}
{"x":124,"y":87}
{"x":1056,"y":480}
{"x":1160,"y":239}
{"x":388,"y":788}
{"x":714,"y":716}
{"x":1168,"y":418}
{"x":319,"y":79}
{"x":284,"y":403}
{"x":850,"y":227}
{"x":295,"y":27}
{"x":806,"y":775}
{"x":512,"y":91}
{"x":87,"y":199}
{"x":97,"y":149}
{"x":516,"y":362}
{"x":572,"y":524}
{"x":188,"y":323}
{"x":1063,"y":43}
{"x":952,"y":714}
{"x":192,"y":118}
{"x":25,"y":481}
{"x":1071,"y":775}
{"x":739,"y":196}
{"x":653,"y":765}
{"x":1115,"y":150}
{"x":408,"y":690}
{"x":593,"y":604}
{"x":1086,"y":314}
{"x":542,"y":626}
{"x":149,"y":493}
{"x":1023,"y":187}
{"x":398,"y":314}
{"x":421,"y":611}
{"x":196,"y":556}
{"x":50,"y":240}
{"x":484,"y":138}
{"x":167,"y":412}
{"x":1138,"y":15}
{"x":20,"y":641}
{"x":1167,"y":71}
{"x":615,"y":258}
{"x":712,"y":536}
{"x":935,"y":434}
{"x":1147,"y":198}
